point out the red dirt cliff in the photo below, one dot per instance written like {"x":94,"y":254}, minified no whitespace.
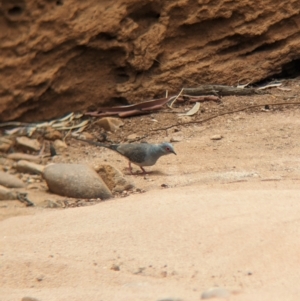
{"x":65,"y":55}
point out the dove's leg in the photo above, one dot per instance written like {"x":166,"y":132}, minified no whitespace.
{"x":144,"y":171}
{"x":130,"y":168}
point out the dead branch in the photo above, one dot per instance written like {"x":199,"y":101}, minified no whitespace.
{"x":220,"y":90}
{"x":130,"y":110}
{"x":199,"y":98}
{"x":22,"y":197}
{"x":224,"y":113}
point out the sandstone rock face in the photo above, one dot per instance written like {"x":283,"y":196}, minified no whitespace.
{"x":62,"y":55}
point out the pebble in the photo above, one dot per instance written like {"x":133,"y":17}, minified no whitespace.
{"x":110,"y":124}
{"x":31,"y":144}
{"x":176,"y":138}
{"x":10,"y":181}
{"x":52,"y":134}
{"x":115,"y":267}
{"x":50,"y":204}
{"x":86,"y":136}
{"x":7,"y":194}
{"x":114,"y":178}
{"x":215,"y":292}
{"x":132,"y":137}
{"x":5,"y":144}
{"x":184,"y":119}
{"x":40,"y":278}
{"x":216,"y":137}
{"x":59,"y":145}
{"x":22,"y":156}
{"x":29,"y":167}
{"x":170,"y":299}
{"x":30,"y":181}
{"x":76,"y":181}
{"x":29,"y":299}
{"x":34,"y":186}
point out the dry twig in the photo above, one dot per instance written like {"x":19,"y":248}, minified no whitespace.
{"x":222,"y":114}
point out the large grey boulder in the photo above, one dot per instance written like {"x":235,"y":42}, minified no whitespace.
{"x":76,"y":181}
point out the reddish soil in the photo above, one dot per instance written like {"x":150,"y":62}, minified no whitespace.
{"x":56,"y":54}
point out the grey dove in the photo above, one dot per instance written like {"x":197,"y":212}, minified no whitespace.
{"x":141,"y":154}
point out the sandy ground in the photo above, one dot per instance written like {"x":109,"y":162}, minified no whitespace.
{"x":229,"y":218}
{"x":172,"y":243}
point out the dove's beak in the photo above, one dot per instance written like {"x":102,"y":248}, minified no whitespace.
{"x":174,"y":152}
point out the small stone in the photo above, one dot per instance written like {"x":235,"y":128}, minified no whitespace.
{"x":176,"y":138}
{"x":114,"y":178}
{"x":50,"y":204}
{"x":30,"y":181}
{"x":216,"y":137}
{"x":125,"y":192}
{"x":140,"y":270}
{"x":10,"y":181}
{"x":184,"y":119}
{"x":110,"y":124}
{"x":215,"y":292}
{"x":86,"y":136}
{"x":31,"y":144}
{"x":60,"y":145}
{"x":115,"y":267}
{"x":29,"y":167}
{"x":22,"y":156}
{"x":7,"y":194}
{"x":52,"y":134}
{"x":5,"y":144}
{"x":33,"y":186}
{"x":76,"y":181}
{"x":132,"y":137}
{"x":170,"y":299}
{"x":29,"y":299}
